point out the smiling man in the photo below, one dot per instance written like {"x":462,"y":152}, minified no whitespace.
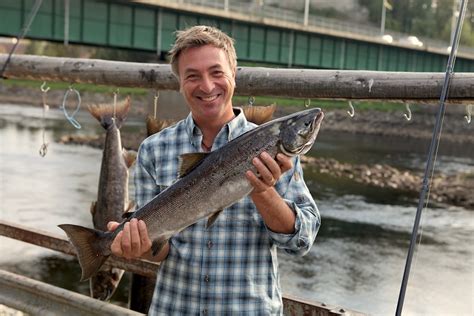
{"x":230,"y":268}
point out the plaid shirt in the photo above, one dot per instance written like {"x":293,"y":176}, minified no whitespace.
{"x":231,"y":268}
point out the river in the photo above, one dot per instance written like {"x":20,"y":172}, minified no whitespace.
{"x":357,"y":261}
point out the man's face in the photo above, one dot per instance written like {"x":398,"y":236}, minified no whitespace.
{"x":207,"y":83}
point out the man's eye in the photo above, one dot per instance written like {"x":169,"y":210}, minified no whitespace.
{"x":218,"y":73}
{"x":191,"y":77}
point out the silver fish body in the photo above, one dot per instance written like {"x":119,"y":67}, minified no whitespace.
{"x":213,"y":182}
{"x":112,"y":197}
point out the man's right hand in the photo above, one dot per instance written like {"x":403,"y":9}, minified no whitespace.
{"x":132,"y":242}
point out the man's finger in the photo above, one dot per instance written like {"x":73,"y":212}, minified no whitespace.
{"x":145,"y":240}
{"x":135,"y":241}
{"x":116,"y":246}
{"x":111,"y":226}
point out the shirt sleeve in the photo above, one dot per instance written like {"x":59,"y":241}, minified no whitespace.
{"x":145,"y":175}
{"x":296,"y":194}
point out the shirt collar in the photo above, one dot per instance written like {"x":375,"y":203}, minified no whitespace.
{"x":229,"y":131}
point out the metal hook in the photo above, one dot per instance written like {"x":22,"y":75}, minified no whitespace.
{"x":44,"y":147}
{"x":155,"y":103}
{"x":115,"y":102}
{"x":407,"y":117}
{"x":352,"y":111}
{"x":43,"y":89}
{"x":469,"y":114}
{"x":251,"y":101}
{"x":307,"y":103}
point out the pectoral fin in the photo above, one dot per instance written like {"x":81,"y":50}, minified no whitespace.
{"x":189,"y":162}
{"x":157,"y":245}
{"x":211,"y":220}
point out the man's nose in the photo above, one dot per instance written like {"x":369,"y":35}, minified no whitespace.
{"x":207,"y":84}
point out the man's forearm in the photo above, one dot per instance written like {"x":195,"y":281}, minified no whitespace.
{"x":276,"y":213}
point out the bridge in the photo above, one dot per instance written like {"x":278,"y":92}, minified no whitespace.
{"x":149,"y":25}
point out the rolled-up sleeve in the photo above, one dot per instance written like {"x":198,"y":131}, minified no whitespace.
{"x":296,"y":194}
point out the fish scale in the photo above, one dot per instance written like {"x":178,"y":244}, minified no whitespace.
{"x":212,"y":182}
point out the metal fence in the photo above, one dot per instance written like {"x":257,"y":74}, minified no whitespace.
{"x":267,"y":11}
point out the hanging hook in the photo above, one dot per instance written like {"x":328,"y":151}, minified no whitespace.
{"x":116,"y":92}
{"x":43,"y":89}
{"x":469,"y":114}
{"x":155,"y":103}
{"x":71,"y":118}
{"x":307,"y":103}
{"x":352,"y":111}
{"x":44,"y":147}
{"x":407,"y":117}
{"x":251,"y":100}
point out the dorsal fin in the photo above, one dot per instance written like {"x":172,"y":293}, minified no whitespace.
{"x":189,"y":161}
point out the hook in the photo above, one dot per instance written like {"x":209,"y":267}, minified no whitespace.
{"x":352,"y":111}
{"x":43,"y":89}
{"x":307,"y":103}
{"x":251,"y":100}
{"x":155,"y":103}
{"x":469,"y":115}
{"x":71,"y":118}
{"x":116,"y":92}
{"x":44,"y":147}
{"x":407,"y":117}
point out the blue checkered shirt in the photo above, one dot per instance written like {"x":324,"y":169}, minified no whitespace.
{"x":231,"y":268}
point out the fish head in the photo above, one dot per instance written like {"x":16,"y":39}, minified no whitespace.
{"x":298,"y":131}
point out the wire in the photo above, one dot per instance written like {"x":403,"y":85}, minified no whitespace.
{"x":432,"y":154}
{"x":20,"y":36}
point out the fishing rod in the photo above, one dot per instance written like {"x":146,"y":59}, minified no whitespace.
{"x":432,"y":152}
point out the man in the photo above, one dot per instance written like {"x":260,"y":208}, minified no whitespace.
{"x":232,"y":267}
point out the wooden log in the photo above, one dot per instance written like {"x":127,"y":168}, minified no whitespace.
{"x":252,"y":81}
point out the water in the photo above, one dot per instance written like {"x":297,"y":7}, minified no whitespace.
{"x":357,"y":261}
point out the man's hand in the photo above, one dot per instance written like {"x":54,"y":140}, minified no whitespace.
{"x":269,"y":169}
{"x":132,"y":242}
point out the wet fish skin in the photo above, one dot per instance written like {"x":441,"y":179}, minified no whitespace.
{"x":112,"y":197}
{"x":189,"y":199}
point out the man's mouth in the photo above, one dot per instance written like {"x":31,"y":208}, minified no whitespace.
{"x":209,"y":98}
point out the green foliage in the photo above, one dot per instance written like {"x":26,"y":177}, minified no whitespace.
{"x":421,"y":18}
{"x":82,"y":87}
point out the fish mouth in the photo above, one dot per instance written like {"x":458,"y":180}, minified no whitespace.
{"x":308,"y":134}
{"x":313,"y":131}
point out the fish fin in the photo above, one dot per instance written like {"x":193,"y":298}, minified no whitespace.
{"x":130,"y":207}
{"x":93,"y":207}
{"x":212,"y":219}
{"x":130,"y":156}
{"x":89,"y":245}
{"x":189,"y":161}
{"x":104,"y":113}
{"x":157,"y":245}
{"x":105,"y":282}
{"x":154,"y":125}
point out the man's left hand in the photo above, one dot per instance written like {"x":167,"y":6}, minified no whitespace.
{"x":269,"y":170}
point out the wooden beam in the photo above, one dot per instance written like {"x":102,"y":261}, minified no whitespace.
{"x":252,"y":81}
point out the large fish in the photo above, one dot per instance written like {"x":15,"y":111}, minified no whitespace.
{"x":208,"y":183}
{"x":112,"y":199}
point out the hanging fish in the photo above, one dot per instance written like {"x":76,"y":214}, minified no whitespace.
{"x":112,"y":198}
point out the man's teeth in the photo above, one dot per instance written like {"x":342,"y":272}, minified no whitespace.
{"x":208,"y":99}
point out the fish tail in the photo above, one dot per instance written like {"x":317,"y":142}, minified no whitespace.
{"x":154,"y":125}
{"x":106,"y":114}
{"x":92,"y":247}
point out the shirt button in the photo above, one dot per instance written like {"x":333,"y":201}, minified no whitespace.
{"x":209,"y":244}
{"x":206,"y":278}
{"x":204,"y":311}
